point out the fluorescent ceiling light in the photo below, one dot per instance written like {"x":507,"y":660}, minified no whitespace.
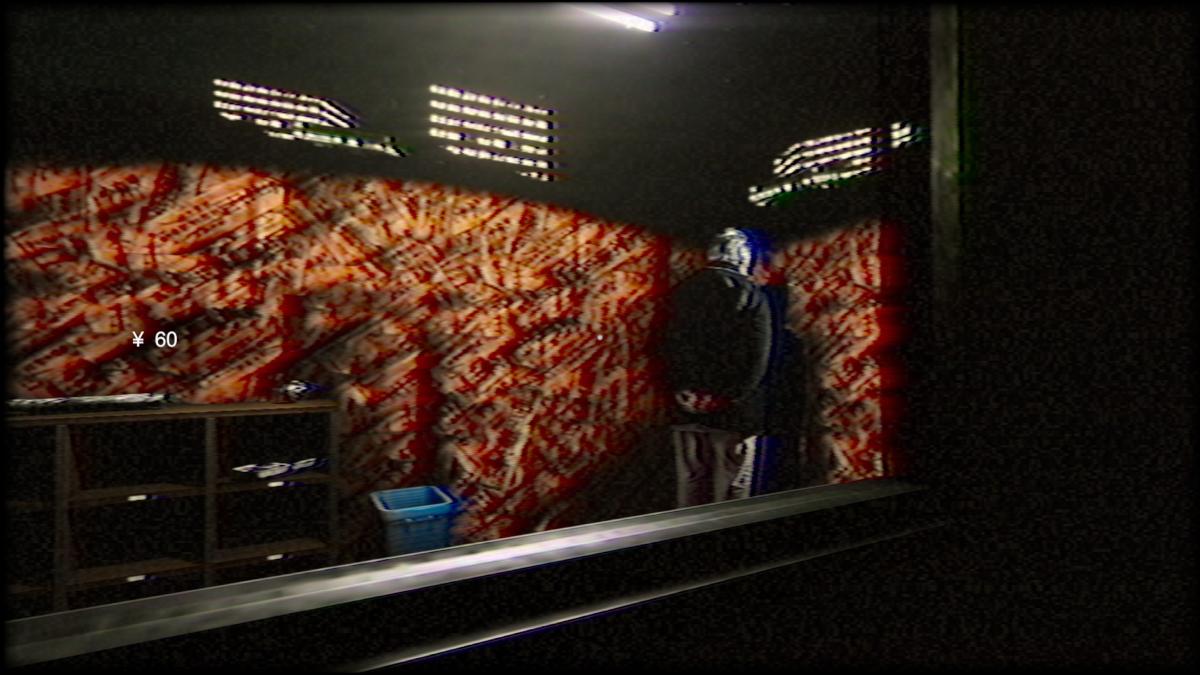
{"x":617,"y":16}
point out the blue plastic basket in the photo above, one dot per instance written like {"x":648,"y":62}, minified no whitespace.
{"x":416,"y":519}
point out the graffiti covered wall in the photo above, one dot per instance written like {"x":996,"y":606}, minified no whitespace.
{"x":508,"y":341}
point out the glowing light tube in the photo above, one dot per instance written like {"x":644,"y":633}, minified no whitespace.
{"x":624,"y":18}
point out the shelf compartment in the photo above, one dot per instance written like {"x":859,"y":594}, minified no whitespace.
{"x":261,"y":568}
{"x":120,"y":590}
{"x":116,"y":495}
{"x":126,"y":532}
{"x":28,"y":506}
{"x":255,"y":517}
{"x":26,"y":589}
{"x":260,"y":552}
{"x":258,"y":527}
{"x":263,"y":440}
{"x":29,"y":550}
{"x":128,"y":453}
{"x":157,"y":567}
{"x":31,"y":460}
{"x":26,"y":601}
{"x":228,"y":485}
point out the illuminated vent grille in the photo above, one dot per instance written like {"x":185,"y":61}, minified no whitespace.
{"x":494,"y":129}
{"x":292,"y":116}
{"x":826,"y":162}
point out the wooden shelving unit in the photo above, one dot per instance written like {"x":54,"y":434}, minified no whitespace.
{"x":115,"y":505}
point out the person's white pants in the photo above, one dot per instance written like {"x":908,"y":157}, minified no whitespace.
{"x":712,"y":465}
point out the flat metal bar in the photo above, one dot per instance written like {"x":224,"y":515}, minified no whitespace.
{"x":171,"y":412}
{"x":579,"y":613}
{"x":65,"y":634}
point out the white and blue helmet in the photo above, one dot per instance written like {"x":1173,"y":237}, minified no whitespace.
{"x":734,"y":248}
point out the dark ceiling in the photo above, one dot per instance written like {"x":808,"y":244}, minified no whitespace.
{"x":665,"y":130}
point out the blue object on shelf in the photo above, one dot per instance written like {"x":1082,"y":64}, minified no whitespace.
{"x":416,"y":519}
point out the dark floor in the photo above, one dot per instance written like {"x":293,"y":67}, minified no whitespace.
{"x":955,"y":596}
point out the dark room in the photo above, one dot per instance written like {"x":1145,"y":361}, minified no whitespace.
{"x":682,"y":336}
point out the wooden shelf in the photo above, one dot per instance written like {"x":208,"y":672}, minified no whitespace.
{"x":80,"y":539}
{"x":260,"y":551}
{"x":28,"y":506}
{"x":175,"y":411}
{"x":111,"y":573}
{"x":231,"y":485}
{"x":28,"y":589}
{"x":121,"y":494}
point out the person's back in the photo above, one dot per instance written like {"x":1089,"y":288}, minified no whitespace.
{"x":717,"y":351}
{"x":717,"y":347}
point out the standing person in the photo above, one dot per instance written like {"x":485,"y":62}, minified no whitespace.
{"x":719,"y":344}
